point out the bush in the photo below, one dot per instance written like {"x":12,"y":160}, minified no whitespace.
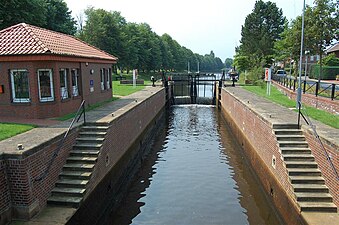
{"x":328,"y":72}
{"x":255,"y":75}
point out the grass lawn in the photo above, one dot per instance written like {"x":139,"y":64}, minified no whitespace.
{"x":276,"y":96}
{"x":125,"y":89}
{"x":8,"y":130}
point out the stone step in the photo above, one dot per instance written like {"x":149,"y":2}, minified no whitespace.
{"x":294,"y":144}
{"x":92,"y":134}
{"x":95,"y":128}
{"x":80,"y":159}
{"x":71,"y":183}
{"x":97,"y":124}
{"x":318,"y":207}
{"x":91,"y":153}
{"x":87,"y":146}
{"x":79,"y":167}
{"x":290,"y":137}
{"x":307,"y":180}
{"x":296,"y":151}
{"x":65,"y":201}
{"x":310,"y":188}
{"x":303,"y":172}
{"x":288,"y":131}
{"x":286,"y":126}
{"x":93,"y":140}
{"x":301,"y":164}
{"x":78,"y":175}
{"x":63,"y":191}
{"x":298,"y":157}
{"x":313,"y":197}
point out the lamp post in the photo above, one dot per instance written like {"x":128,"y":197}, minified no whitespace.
{"x":306,"y":59}
{"x":300,"y":60}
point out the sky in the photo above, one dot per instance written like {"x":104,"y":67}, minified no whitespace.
{"x":202,"y":26}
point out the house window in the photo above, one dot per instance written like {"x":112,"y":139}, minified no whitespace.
{"x":102,"y":79}
{"x":108,"y":84}
{"x":45,"y":80}
{"x":20,"y":85}
{"x":75,"y":82}
{"x":63,"y":83}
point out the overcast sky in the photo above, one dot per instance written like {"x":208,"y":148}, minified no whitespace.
{"x":199,"y":25}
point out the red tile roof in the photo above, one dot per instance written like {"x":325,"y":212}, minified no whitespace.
{"x":25,"y":39}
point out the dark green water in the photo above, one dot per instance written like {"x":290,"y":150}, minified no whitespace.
{"x":195,"y":174}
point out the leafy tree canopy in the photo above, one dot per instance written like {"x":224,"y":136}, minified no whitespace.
{"x":50,"y":14}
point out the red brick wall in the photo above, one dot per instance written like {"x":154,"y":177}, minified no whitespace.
{"x":319,"y":102}
{"x":324,"y":165}
{"x":28,"y":196}
{"x":123,"y":132}
{"x":58,"y":107}
{"x":5,"y":197}
{"x":259,"y":144}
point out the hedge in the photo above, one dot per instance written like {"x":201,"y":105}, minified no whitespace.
{"x":328,"y":72}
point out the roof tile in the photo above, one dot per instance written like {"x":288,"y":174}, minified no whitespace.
{"x":25,"y":39}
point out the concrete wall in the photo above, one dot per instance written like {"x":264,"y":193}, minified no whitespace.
{"x":259,"y":145}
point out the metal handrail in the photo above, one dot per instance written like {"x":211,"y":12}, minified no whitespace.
{"x":309,"y":122}
{"x":77,"y":116}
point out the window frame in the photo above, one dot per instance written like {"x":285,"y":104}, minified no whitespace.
{"x":51,"y":86}
{"x":65,"y":89}
{"x":16,"y":99}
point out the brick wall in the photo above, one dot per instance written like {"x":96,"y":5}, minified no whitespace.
{"x":123,"y":132}
{"x":319,"y":102}
{"x":259,"y":144}
{"x":320,"y":157}
{"x":58,"y":107}
{"x":5,"y":197}
{"x":126,"y":142}
{"x":18,"y":173}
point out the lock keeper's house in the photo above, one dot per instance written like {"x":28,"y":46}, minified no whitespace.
{"x":47,"y":74}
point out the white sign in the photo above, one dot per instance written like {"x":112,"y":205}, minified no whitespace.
{"x":268,"y":73}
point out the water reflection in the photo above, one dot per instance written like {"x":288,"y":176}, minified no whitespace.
{"x":195,"y":174}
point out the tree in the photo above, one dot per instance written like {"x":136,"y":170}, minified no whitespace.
{"x":59,"y":17}
{"x":228,"y":62}
{"x":50,"y":14}
{"x":261,"y":29}
{"x":323,"y":27}
{"x":24,"y":11}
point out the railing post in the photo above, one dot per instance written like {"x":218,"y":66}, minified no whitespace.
{"x":83,"y":109}
{"x":333,"y":91}
{"x":299,"y":114}
{"x":294,"y":84}
{"x":304,"y":86}
{"x":317,"y":88}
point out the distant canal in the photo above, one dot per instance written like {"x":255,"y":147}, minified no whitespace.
{"x":195,"y":175}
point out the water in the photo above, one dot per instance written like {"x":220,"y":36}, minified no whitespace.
{"x":195,"y":174}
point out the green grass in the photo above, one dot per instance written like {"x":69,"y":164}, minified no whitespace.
{"x":125,"y":89}
{"x":278,"y":97}
{"x":88,"y":108}
{"x":8,"y":130}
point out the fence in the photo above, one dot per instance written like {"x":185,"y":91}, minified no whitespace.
{"x":324,"y":89}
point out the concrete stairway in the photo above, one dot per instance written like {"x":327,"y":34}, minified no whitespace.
{"x":76,"y":173}
{"x":309,"y":187}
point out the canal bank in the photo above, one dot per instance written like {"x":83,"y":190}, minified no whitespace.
{"x":23,"y":197}
{"x":253,"y":120}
